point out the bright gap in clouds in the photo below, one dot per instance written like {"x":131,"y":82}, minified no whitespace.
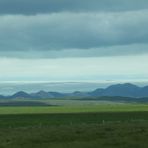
{"x":92,"y":69}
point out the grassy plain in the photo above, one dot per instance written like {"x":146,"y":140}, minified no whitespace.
{"x":97,"y":126}
{"x":102,"y":107}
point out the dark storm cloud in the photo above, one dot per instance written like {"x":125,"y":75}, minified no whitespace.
{"x":73,"y":29}
{"x":49,"y":6}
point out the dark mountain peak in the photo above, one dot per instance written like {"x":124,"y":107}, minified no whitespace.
{"x":76,"y":92}
{"x":130,"y":85}
{"x":80,"y":94}
{"x":56,"y":94}
{"x":41,"y":92}
{"x":21,"y":94}
{"x":126,"y":90}
{"x":125,"y":85}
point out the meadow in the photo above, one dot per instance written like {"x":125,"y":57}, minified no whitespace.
{"x":97,"y":126}
{"x":75,"y":108}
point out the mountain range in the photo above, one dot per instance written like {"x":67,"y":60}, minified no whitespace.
{"x":122,"y":90}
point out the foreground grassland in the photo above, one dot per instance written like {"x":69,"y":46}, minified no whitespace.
{"x":81,"y":130}
{"x":101,"y":126}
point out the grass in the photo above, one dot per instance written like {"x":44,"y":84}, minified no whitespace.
{"x":37,"y":120}
{"x":80,"y":136}
{"x":81,"y":130}
{"x":75,"y":109}
{"x":100,"y":126}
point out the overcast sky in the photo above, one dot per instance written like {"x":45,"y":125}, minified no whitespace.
{"x":73,"y":40}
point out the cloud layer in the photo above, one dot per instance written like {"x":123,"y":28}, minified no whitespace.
{"x":29,"y":7}
{"x":73,"y":40}
{"x":74,"y":33}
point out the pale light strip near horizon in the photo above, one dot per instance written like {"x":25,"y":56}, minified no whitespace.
{"x":120,"y":68}
{"x":73,"y":41}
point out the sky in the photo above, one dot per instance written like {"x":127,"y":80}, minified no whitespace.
{"x":73,"y":40}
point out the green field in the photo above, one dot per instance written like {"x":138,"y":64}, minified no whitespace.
{"x":75,"y":109}
{"x":97,"y":126}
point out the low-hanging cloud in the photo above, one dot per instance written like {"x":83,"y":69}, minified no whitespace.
{"x":29,"y":7}
{"x":70,"y":31}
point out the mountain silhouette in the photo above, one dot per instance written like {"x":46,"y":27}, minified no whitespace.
{"x":122,"y":90}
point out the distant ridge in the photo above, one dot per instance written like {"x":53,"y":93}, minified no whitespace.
{"x":20,"y":94}
{"x":122,"y":90}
